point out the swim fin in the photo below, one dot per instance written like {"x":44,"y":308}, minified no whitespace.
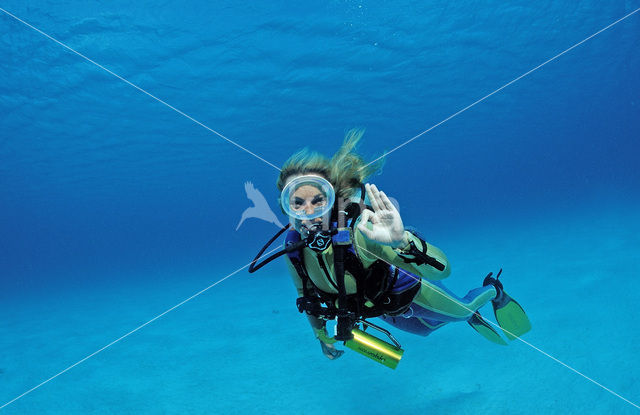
{"x":509,"y":314}
{"x":481,"y":326}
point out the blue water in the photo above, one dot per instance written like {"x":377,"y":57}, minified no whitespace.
{"x":114,"y":208}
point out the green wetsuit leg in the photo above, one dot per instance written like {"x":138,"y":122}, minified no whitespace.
{"x":437,"y":303}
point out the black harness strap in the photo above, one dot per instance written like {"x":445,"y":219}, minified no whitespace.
{"x":373,"y":284}
{"x":419,"y":256}
{"x":302,"y":272}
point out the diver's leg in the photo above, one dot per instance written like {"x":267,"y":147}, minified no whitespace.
{"x":415,"y":325}
{"x":434,"y":305}
{"x":434,"y":301}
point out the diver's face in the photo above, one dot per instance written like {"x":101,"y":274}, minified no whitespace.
{"x":308,"y":199}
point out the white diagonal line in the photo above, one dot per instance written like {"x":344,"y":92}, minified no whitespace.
{"x":140,"y":89}
{"x":131,"y":332}
{"x":500,"y":89}
{"x":507,"y":331}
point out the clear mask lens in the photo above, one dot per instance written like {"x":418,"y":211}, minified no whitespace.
{"x":307,"y":197}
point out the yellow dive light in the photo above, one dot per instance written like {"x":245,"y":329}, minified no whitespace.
{"x":374,"y":348}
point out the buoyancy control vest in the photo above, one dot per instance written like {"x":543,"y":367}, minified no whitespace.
{"x":374,"y":285}
{"x":375,"y":294}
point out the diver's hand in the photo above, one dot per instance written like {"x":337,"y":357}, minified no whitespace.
{"x":330,"y":351}
{"x":326,"y":342}
{"x":387,"y":224}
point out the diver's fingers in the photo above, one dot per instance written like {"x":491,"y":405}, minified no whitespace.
{"x":362,"y":226}
{"x":368,"y":233}
{"x":330,"y":351}
{"x":376,"y":194}
{"x":387,"y":203}
{"x":372,"y":192}
{"x":368,"y":215}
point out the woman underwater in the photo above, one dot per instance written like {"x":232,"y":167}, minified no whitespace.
{"x":350,"y":251}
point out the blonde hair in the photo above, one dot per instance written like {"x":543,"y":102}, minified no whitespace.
{"x":346,"y":170}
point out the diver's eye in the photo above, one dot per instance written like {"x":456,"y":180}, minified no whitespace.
{"x":318,"y":200}
{"x":297,"y":202}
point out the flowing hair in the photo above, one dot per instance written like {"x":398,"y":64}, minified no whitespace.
{"x":346,"y":170}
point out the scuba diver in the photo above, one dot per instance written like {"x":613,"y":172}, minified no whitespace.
{"x":351,"y":259}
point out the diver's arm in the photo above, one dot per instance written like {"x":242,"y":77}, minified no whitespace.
{"x":326,"y":342}
{"x":369,"y":251}
{"x":420,"y":257}
{"x":297,"y":281}
{"x":379,"y":234}
{"x":317,"y":324}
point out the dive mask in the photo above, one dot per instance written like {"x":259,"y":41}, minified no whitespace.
{"x":307,"y":197}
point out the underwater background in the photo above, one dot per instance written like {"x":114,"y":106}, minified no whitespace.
{"x":115,"y":208}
